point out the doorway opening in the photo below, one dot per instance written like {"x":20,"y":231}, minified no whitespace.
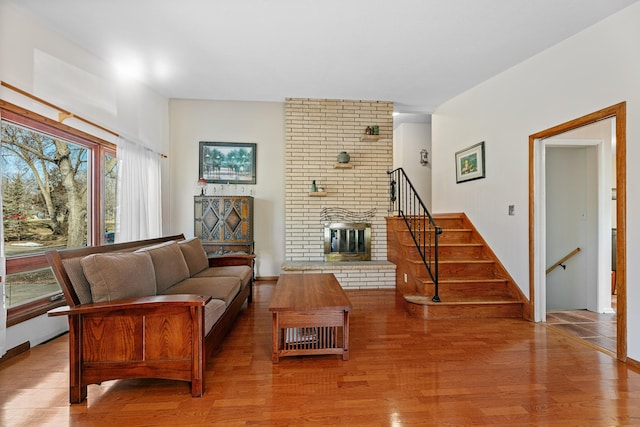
{"x":579,"y":178}
{"x":590,"y":218}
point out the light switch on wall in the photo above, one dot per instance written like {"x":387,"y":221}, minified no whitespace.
{"x":512,"y":210}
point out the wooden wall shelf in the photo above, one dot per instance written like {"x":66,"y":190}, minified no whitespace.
{"x":369,"y":137}
{"x":318,"y":194}
{"x":343,"y":166}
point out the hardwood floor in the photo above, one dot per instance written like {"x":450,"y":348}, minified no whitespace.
{"x":402,"y":371}
{"x":598,"y":329}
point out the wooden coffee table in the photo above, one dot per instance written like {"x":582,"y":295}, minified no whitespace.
{"x":310,"y":316}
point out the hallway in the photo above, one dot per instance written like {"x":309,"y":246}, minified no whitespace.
{"x":598,"y":329}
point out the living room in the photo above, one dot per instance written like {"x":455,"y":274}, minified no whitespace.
{"x":592,"y":70}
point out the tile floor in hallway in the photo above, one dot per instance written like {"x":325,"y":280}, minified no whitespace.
{"x":596,"y":328}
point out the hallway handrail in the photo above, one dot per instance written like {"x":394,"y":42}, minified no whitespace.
{"x":424,"y":231}
{"x":559,"y":263}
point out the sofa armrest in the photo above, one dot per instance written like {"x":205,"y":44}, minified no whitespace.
{"x":150,"y":303}
{"x":221,"y":261}
{"x":158,"y":336}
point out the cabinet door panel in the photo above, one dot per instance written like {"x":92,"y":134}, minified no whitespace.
{"x":224,"y":223}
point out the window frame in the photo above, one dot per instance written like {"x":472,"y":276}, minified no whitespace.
{"x":98,"y":149}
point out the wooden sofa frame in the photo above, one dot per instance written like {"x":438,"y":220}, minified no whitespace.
{"x":159,"y":336}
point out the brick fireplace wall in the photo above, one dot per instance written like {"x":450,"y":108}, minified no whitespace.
{"x":317,"y":130}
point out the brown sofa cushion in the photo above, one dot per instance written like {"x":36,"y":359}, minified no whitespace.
{"x":115,"y":276}
{"x":212,"y":312}
{"x":243,"y":272}
{"x":73,"y":267}
{"x":194,"y":255}
{"x":222,"y":288}
{"x":168,"y":263}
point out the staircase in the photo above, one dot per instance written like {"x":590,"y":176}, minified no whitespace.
{"x":472,"y":282}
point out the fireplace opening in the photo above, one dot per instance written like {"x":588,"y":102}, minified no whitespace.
{"x":347,"y":241}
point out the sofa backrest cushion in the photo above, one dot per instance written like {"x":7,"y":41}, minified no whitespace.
{"x":115,"y":276}
{"x":194,"y":255}
{"x":81,"y":286}
{"x":168,"y":263}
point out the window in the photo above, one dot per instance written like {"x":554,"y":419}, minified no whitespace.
{"x":58,"y":189}
{"x":109,"y":164}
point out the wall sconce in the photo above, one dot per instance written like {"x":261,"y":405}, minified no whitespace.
{"x":424,"y":157}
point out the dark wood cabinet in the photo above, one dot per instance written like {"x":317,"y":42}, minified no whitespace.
{"x":224,"y":223}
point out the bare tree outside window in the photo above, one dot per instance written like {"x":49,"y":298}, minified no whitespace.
{"x":109,"y":201}
{"x":59,"y":191}
{"x":44,"y":189}
{"x":45,"y":204}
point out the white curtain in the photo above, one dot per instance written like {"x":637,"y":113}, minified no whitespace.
{"x":3,"y":274}
{"x":139,"y":206}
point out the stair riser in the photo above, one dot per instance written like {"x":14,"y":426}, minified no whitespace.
{"x":447,"y":236}
{"x":459,"y":290}
{"x":442,"y":222}
{"x":449,"y":222}
{"x":458,"y":270}
{"x":448,"y":252}
{"x":455,"y":236}
{"x":459,"y":252}
{"x":463,"y":311}
{"x":406,"y":239}
{"x":411,"y":252}
{"x":398,"y":223}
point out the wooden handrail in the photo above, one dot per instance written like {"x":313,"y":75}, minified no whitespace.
{"x":563,"y":259}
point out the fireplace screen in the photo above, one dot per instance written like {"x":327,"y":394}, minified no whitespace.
{"x":347,"y":241}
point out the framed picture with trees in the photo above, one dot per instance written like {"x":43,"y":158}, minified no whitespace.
{"x":227,"y":162}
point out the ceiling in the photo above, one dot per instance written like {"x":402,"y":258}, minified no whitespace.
{"x":416,"y":53}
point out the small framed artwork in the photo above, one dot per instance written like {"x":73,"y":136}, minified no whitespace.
{"x":470,"y":163}
{"x":227,"y":162}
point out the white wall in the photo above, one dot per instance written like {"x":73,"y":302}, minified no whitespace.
{"x":42,"y":62}
{"x":594,"y":69}
{"x":259,"y":122}
{"x":408,"y":140}
{"x":567,"y":211}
